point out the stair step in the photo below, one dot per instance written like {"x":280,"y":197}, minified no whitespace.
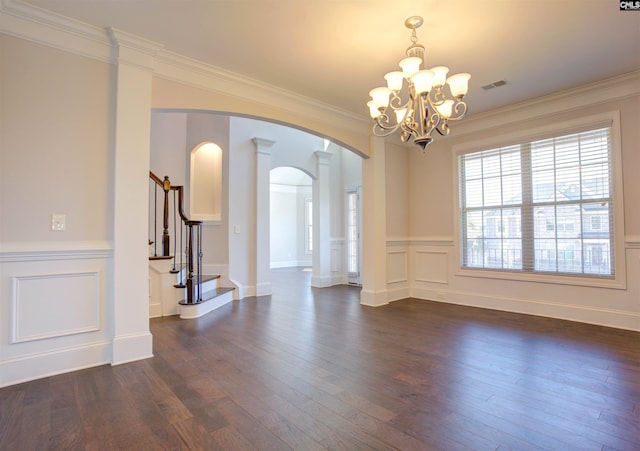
{"x":211,"y":294}
{"x":160,"y":257}
{"x":205,"y":279}
{"x":211,"y":300}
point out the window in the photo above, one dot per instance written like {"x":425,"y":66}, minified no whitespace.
{"x":352,"y":232}
{"x":544,"y":206}
{"x":308,"y":215}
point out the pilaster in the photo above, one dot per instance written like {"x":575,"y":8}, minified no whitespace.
{"x":321,"y":259}
{"x":263,"y":169}
{"x":374,"y":226}
{"x":134,"y":58}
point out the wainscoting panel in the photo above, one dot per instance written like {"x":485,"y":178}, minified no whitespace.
{"x":397,"y":268}
{"x":54,"y":305}
{"x":431,"y":266}
{"x":55,"y":311}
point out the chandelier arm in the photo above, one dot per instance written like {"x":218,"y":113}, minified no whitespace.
{"x":395,"y":102}
{"x":460,"y":109}
{"x":382,"y":127}
{"x":435,"y":118}
{"x":443,"y":128}
{"x":437,"y":96}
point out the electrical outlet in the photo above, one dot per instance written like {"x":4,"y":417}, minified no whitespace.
{"x":58,"y":222}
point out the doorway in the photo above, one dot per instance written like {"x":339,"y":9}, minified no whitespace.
{"x":291,"y":226}
{"x":353,"y":236}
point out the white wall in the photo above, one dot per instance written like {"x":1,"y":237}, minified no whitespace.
{"x":285,"y":221}
{"x":55,"y":157}
{"x":431,"y":249}
{"x":75,"y":124}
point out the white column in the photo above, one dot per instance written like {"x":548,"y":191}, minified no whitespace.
{"x":130,"y":285}
{"x":374,"y":227}
{"x":321,"y":258}
{"x":263,"y":168}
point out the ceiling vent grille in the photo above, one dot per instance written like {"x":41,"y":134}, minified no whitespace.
{"x":495,"y":84}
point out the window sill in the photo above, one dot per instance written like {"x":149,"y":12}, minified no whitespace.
{"x":616,"y":283}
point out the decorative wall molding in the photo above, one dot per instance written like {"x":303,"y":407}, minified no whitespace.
{"x":432,"y":241}
{"x":24,"y":252}
{"x":431,"y":266}
{"x":54,"y":305}
{"x":602,"y":91}
{"x":47,"y":28}
{"x":397,"y":266}
{"x":54,"y":30}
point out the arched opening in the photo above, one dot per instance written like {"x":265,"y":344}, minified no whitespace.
{"x":237,"y":235}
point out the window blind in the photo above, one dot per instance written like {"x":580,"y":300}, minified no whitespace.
{"x":541,"y":206}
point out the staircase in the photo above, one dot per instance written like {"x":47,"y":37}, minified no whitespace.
{"x":177,"y":285}
{"x":212,"y":296}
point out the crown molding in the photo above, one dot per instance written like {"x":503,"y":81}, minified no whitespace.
{"x":602,"y":91}
{"x":174,"y":67}
{"x":54,"y":30}
{"x":134,"y":50}
{"x":44,"y":27}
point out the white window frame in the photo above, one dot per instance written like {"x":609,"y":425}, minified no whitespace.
{"x":607,"y":119}
{"x":308,"y":226}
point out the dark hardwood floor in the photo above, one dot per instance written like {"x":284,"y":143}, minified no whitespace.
{"x":312,"y":369}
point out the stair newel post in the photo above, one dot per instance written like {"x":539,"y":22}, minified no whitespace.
{"x":199,"y":267}
{"x":175,"y":232}
{"x":166,"y":186}
{"x":189,"y":259}
{"x":155,"y":219}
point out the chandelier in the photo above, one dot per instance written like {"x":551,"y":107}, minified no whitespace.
{"x":428,"y":109}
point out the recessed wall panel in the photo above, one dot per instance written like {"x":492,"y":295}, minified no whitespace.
{"x":53,"y":305}
{"x":397,"y":267}
{"x":431,"y":266}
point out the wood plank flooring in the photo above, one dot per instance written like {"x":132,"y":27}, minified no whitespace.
{"x":311,"y":369}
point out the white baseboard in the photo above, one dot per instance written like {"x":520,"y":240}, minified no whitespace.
{"x":373,"y":299}
{"x":569,"y":312}
{"x":321,"y":281}
{"x":155,"y":310}
{"x":129,"y":348}
{"x":263,"y":289}
{"x":36,"y":366}
{"x":395,"y":294}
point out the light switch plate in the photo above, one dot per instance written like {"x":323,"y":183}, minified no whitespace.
{"x":58,"y":222}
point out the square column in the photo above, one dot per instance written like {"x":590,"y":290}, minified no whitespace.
{"x":263,"y":237}
{"x":132,"y":339}
{"x":321,"y":259}
{"x":374,"y":227}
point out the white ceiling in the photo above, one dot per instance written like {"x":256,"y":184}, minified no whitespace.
{"x":337,"y":50}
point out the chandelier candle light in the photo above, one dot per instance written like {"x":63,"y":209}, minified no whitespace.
{"x":428,"y":108}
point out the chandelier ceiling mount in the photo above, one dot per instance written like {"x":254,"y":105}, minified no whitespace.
{"x":428,"y":108}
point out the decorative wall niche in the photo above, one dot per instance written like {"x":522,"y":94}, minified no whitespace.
{"x":206,"y":183}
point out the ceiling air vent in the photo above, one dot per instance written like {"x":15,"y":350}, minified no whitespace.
{"x":495,"y":84}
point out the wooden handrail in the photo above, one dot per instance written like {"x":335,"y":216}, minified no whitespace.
{"x":193,"y":274}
